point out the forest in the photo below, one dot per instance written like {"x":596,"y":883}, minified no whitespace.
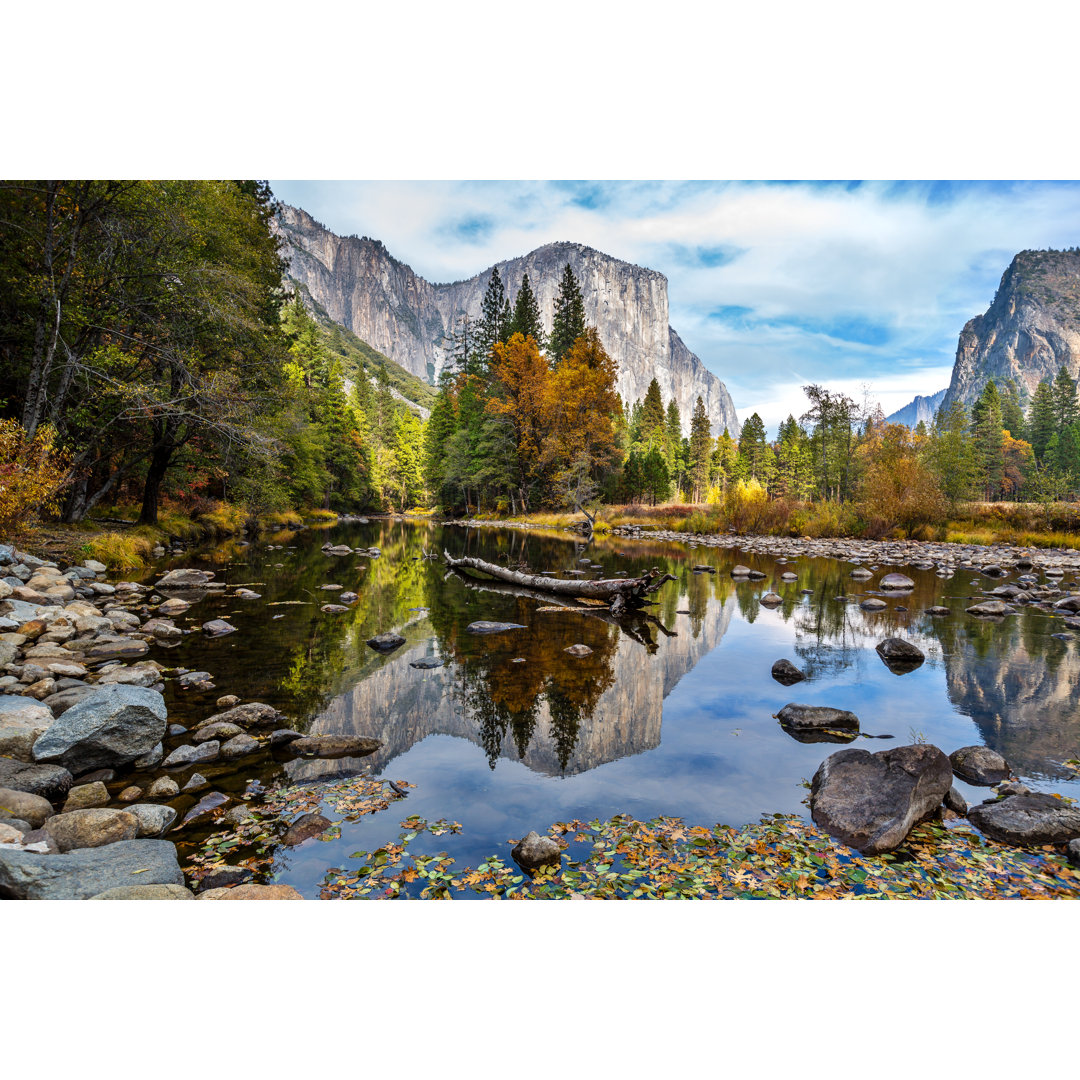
{"x":154,"y":361}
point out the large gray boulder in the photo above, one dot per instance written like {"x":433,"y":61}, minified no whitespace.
{"x":785,"y":672}
{"x":1027,"y":820}
{"x":872,"y":801}
{"x":79,"y":875}
{"x":896,"y":581}
{"x":900,"y":656}
{"x":801,"y":717}
{"x":49,"y":781}
{"x":114,"y":726}
{"x":22,"y":722}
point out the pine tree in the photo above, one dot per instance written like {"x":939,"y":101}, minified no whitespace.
{"x":700,"y":445}
{"x":795,"y":462}
{"x":439,"y":430}
{"x":526,"y":317}
{"x":653,"y":417}
{"x":1012,"y":414}
{"x":568,"y":323}
{"x":756,"y":457}
{"x":1041,"y":420}
{"x":989,"y":441}
{"x":673,"y":434}
{"x":725,"y":459}
{"x":492,"y":325}
{"x":1065,"y":407}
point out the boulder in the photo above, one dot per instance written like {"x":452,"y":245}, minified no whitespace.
{"x":62,"y":700}
{"x":872,"y":801}
{"x":802,"y":717}
{"x":252,"y":892}
{"x":304,"y":828}
{"x":284,"y":735}
{"x":771,"y":599}
{"x":217,"y":628}
{"x":873,"y":603}
{"x":153,"y":819}
{"x":239,"y":746}
{"x":22,"y":806}
{"x":900,"y":656}
{"x":78,"y":875}
{"x":786,"y":673}
{"x":91,"y":828}
{"x":483,"y":626}
{"x":955,"y":802}
{"x":980,"y":765}
{"x":253,"y":714}
{"x":534,"y":851}
{"x":22,"y":722}
{"x":896,"y":581}
{"x":1027,"y":820}
{"x":221,"y":729}
{"x":578,"y":650}
{"x":185,"y":578}
{"x":386,"y":643}
{"x":113,"y":726}
{"x":146,"y":892}
{"x":87,"y":797}
{"x":164,"y":787}
{"x":189,"y":755}
{"x":49,"y":781}
{"x":1073,"y":852}
{"x":122,"y":648}
{"x":990,"y":609}
{"x":333,"y":746}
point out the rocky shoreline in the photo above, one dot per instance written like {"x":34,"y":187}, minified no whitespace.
{"x":81,"y":707}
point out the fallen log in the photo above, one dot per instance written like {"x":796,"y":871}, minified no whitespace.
{"x":620,"y":593}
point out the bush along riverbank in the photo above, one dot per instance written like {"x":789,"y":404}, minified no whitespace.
{"x":89,"y":793}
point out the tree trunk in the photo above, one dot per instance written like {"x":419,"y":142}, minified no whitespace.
{"x":159,"y":464}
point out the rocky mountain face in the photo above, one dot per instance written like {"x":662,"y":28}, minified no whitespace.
{"x":1030,"y":330}
{"x":381,"y":300}
{"x":921,"y":409}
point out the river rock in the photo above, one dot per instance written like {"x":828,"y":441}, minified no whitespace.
{"x":252,"y":892}
{"x":483,"y":626}
{"x":252,"y":714}
{"x":332,"y":746}
{"x":990,"y":609}
{"x":164,"y":787}
{"x":938,"y":609}
{"x":578,"y":650}
{"x":146,"y":892}
{"x":222,"y":730}
{"x":801,"y":717}
{"x":339,"y":550}
{"x":304,"y":828}
{"x":1027,"y":820}
{"x":873,"y":603}
{"x":534,"y":851}
{"x":206,"y":805}
{"x":131,"y":794}
{"x":185,"y":578}
{"x":900,"y":656}
{"x":217,"y":628}
{"x":122,"y":648}
{"x":771,"y":599}
{"x":386,"y":643}
{"x":980,"y":765}
{"x":189,"y":755}
{"x":1073,"y":852}
{"x":22,"y":722}
{"x":860,"y":573}
{"x":196,"y":782}
{"x":62,"y":700}
{"x":227,"y":701}
{"x":334,"y":609}
{"x":284,"y":735}
{"x":896,"y":581}
{"x":49,"y":781}
{"x":153,"y":818}
{"x":80,"y":874}
{"x":146,"y":673}
{"x":195,"y":680}
{"x":91,"y":828}
{"x":87,"y":797}
{"x":222,"y":877}
{"x":10,"y":834}
{"x":173,"y":606}
{"x":786,"y":673}
{"x":426,"y":663}
{"x":872,"y":801}
{"x":22,"y":806}
{"x":239,"y":746}
{"x":955,"y":802}
{"x":113,"y":726}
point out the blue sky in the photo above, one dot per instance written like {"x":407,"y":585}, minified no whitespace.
{"x":774,"y":285}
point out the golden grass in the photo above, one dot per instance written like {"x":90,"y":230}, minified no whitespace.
{"x":129,"y":550}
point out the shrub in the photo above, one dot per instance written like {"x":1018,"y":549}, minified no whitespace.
{"x":32,"y":471}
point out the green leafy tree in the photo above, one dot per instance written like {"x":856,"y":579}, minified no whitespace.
{"x":950,"y":452}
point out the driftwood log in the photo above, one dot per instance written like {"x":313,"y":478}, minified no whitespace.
{"x":619,"y":593}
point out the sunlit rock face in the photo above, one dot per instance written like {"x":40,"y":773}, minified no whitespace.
{"x":363,"y":287}
{"x":554,"y":728}
{"x":1030,"y":330}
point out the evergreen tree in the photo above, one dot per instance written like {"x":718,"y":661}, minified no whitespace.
{"x":438,"y":432}
{"x":655,"y":476}
{"x":673,"y":435}
{"x":699,"y":448}
{"x":725,"y":459}
{"x":1065,"y":407}
{"x":494,"y":311}
{"x":1041,"y":419}
{"x":989,"y":441}
{"x":756,"y":457}
{"x":1012,"y":414}
{"x":526,"y":317}
{"x":795,"y":462}
{"x":653,"y":418}
{"x":568,"y":323}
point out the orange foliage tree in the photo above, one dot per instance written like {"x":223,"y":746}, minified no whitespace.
{"x":32,"y":471}
{"x":896,"y":487}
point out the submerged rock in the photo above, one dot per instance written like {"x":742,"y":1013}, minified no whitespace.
{"x":578,"y":650}
{"x":770,"y":599}
{"x":979,"y":765}
{"x":785,"y":672}
{"x":900,"y":656}
{"x":534,"y":851}
{"x":304,"y":828}
{"x":1027,"y":820}
{"x":485,"y":627}
{"x":217,"y":628}
{"x":426,"y":663}
{"x":872,"y":801}
{"x":332,"y":746}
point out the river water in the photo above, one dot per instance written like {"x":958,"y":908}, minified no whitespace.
{"x":672,"y":715}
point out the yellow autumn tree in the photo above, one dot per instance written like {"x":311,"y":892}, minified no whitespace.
{"x":32,"y":471}
{"x":897,"y":489}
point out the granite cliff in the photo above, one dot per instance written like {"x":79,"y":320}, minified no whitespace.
{"x":1029,"y":331}
{"x":381,"y":300}
{"x":921,"y":409}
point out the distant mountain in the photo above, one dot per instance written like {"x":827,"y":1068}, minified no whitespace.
{"x":922,"y":408}
{"x":380,"y":299}
{"x":1029,"y":331}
